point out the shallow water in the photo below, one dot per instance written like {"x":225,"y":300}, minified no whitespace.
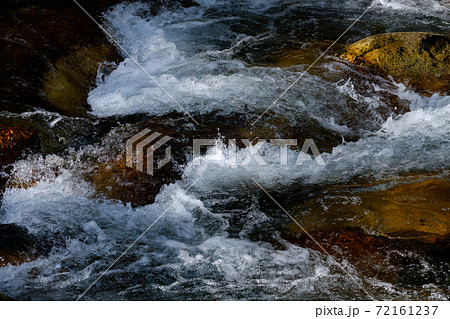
{"x":211,"y":59}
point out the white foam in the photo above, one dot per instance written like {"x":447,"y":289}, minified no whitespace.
{"x":190,"y":55}
{"x":177,"y":245}
{"x":431,"y":7}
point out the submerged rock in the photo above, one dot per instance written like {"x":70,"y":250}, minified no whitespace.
{"x":106,"y":166}
{"x":367,"y":253}
{"x":17,"y":245}
{"x":387,"y":260}
{"x":411,"y":210}
{"x":292,"y":54}
{"x":420,"y":59}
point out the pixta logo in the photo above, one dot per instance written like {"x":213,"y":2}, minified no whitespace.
{"x":140,"y":151}
{"x":252,"y":151}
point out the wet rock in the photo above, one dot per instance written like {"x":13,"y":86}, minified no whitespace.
{"x":419,"y":210}
{"x":103,"y":163}
{"x":368,"y":253}
{"x":410,"y":210}
{"x":107,"y":170}
{"x":70,"y":78}
{"x":51,"y":52}
{"x":420,"y":59}
{"x":114,"y":180}
{"x":14,"y":140}
{"x":50,"y":57}
{"x":57,"y":133}
{"x":95,"y":8}
{"x":389,"y":260}
{"x":17,"y":245}
{"x":367,"y":100}
{"x":295,"y":54}
{"x":5,"y":298}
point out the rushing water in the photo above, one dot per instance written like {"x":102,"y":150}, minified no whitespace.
{"x":211,"y":59}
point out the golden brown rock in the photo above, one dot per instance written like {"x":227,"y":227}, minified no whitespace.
{"x":420,"y":59}
{"x":418,"y":210}
{"x":112,"y":178}
{"x":303,"y":53}
{"x":67,"y":83}
{"x":368,"y":253}
{"x":13,"y":140}
{"x":14,"y":258}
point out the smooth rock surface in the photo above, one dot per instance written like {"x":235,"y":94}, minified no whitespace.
{"x":410,"y":210}
{"x":422,"y":60}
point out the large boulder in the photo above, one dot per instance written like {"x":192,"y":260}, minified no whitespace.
{"x":420,"y":59}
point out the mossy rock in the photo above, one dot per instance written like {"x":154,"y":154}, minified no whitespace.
{"x":422,"y":60}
